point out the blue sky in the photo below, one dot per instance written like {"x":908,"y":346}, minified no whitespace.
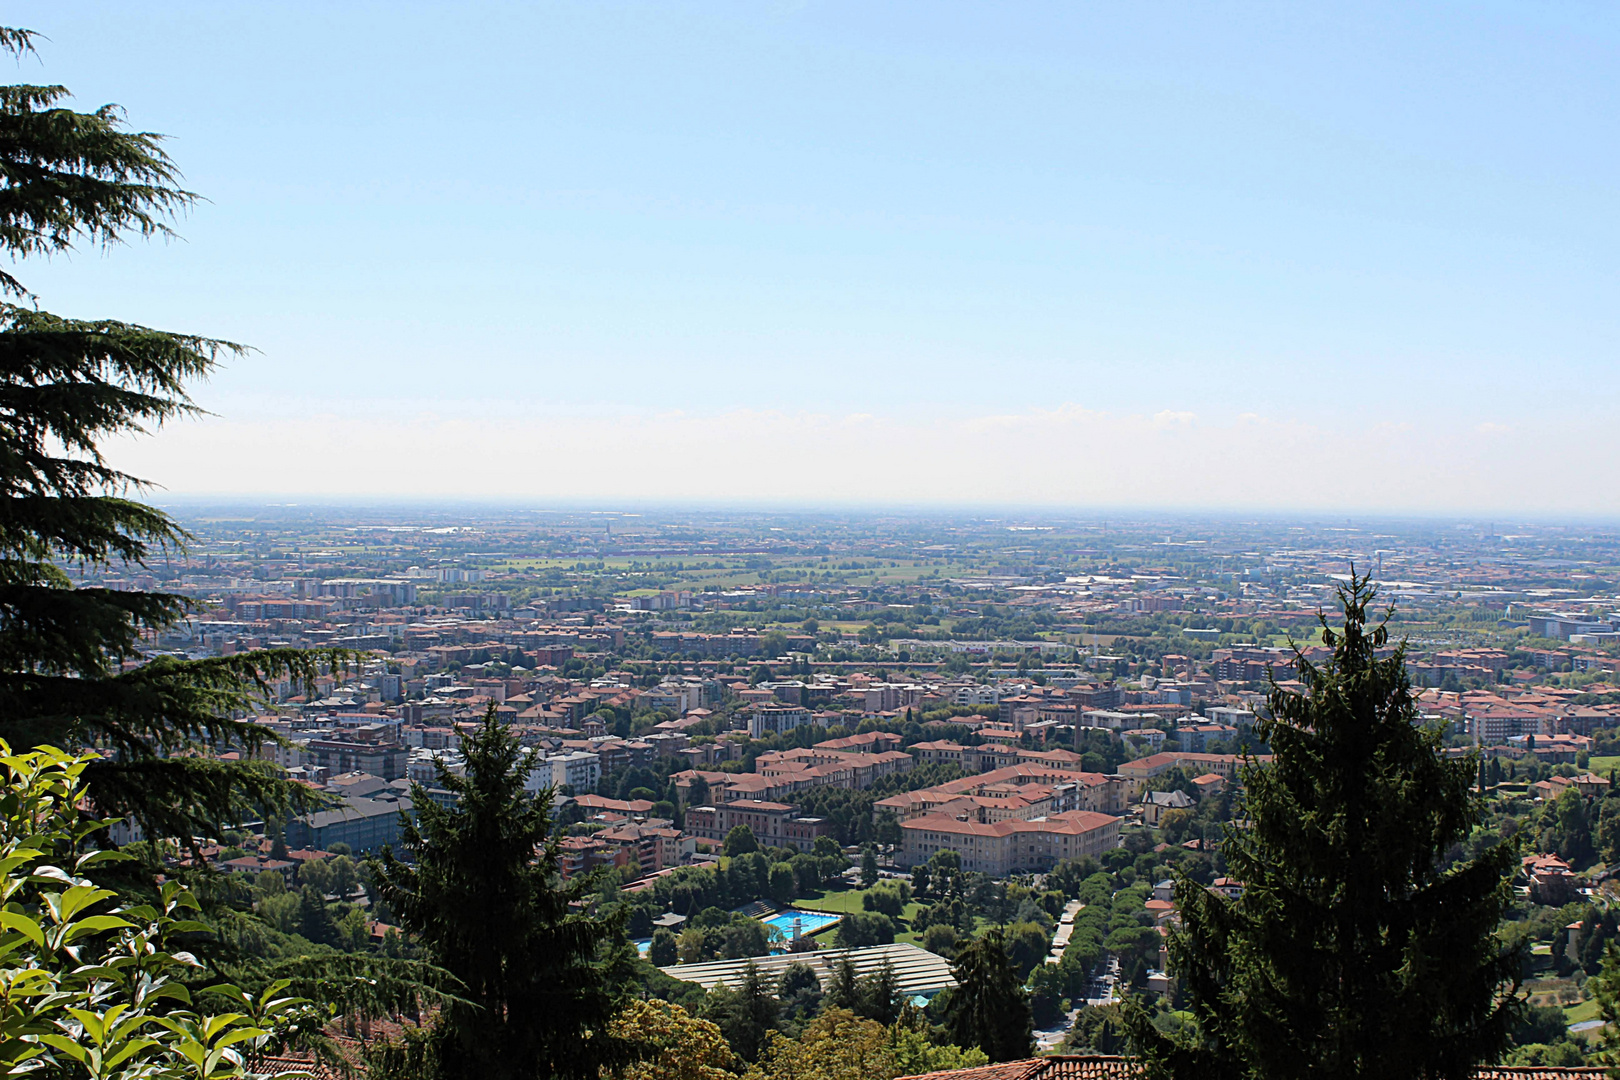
{"x":1156,"y":254}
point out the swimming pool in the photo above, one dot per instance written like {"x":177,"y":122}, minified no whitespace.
{"x":786,"y":923}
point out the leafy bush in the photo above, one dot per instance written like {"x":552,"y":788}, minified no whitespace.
{"x":88,"y":987}
{"x":884,"y":899}
{"x":662,"y":950}
{"x":863,"y":928}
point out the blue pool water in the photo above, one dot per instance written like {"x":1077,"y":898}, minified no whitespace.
{"x":808,"y":922}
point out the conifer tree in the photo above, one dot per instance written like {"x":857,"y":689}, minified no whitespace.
{"x":66,"y":386}
{"x":1355,"y":948}
{"x":844,"y":987}
{"x":483,"y":892}
{"x":987,"y":1007}
{"x":747,"y":1015}
{"x":869,"y":866}
{"x":881,"y":999}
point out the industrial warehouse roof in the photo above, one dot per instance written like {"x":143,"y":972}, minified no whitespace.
{"x":917,"y":971}
{"x":356,"y":809}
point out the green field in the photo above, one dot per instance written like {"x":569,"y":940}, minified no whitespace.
{"x":849,"y":901}
{"x":844,"y":901}
{"x":1585,"y":1010}
{"x":1602,"y":765}
{"x":871,"y":572}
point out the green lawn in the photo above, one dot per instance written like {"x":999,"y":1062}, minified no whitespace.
{"x":848,"y":901}
{"x":1602,"y":765}
{"x":844,"y":901}
{"x":1585,"y":1010}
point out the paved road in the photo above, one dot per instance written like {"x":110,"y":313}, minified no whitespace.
{"x":1103,"y":986}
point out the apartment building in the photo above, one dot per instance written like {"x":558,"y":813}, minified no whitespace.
{"x":1242,"y":719}
{"x":1045,"y":789}
{"x":873,"y":742}
{"x":1224,"y":765}
{"x":987,"y":757}
{"x":1110,"y":719}
{"x":765,"y":719}
{"x":973,"y":694}
{"x":815,"y":767}
{"x":652,"y":846}
{"x":773,"y":824}
{"x":577,"y":769}
{"x":1197,"y":737}
{"x":891,"y":697}
{"x":582,"y":854}
{"x":373,"y":750}
{"x":1008,"y":846}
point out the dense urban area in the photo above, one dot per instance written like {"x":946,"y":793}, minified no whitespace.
{"x":819,"y":754}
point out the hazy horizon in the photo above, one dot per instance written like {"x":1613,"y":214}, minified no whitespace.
{"x":1248,"y":258}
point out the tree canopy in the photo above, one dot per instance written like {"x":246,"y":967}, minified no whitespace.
{"x":70,"y":658}
{"x":1357,"y":948}
{"x":483,"y":891}
{"x":987,"y":1007}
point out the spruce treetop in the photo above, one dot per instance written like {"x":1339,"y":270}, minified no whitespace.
{"x":1356,"y":947}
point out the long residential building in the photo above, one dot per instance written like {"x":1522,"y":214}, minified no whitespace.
{"x":773,"y":824}
{"x":363,"y":824}
{"x":1005,"y":847}
{"x":1226,"y":765}
{"x":988,"y":756}
{"x":1044,"y":789}
{"x":816,"y":767}
{"x":727,"y":787}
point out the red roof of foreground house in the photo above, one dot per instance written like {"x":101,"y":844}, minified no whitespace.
{"x":1099,"y":1067}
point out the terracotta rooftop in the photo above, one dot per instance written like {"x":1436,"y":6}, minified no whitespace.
{"x":1098,"y":1067}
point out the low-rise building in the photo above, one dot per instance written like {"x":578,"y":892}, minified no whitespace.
{"x":1156,"y":804}
{"x":363,"y":824}
{"x":1197,"y":737}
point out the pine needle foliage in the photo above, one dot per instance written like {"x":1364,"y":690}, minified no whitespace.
{"x":483,"y":892}
{"x":988,"y":1008}
{"x":66,"y":387}
{"x":67,"y":176}
{"x":1356,"y":948}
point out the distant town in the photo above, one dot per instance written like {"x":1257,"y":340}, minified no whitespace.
{"x":999,"y":698}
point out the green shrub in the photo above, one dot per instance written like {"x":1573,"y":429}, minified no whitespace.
{"x":89,"y":986}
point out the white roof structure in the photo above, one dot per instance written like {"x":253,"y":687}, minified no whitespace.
{"x":917,"y":971}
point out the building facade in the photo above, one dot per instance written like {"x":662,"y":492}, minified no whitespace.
{"x":1005,"y":847}
{"x":773,"y":824}
{"x":363,"y":824}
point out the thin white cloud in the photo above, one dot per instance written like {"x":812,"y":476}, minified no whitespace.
{"x":1061,"y":456}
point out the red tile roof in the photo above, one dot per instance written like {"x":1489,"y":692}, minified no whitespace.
{"x":1102,"y":1067}
{"x":1099,"y":1067}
